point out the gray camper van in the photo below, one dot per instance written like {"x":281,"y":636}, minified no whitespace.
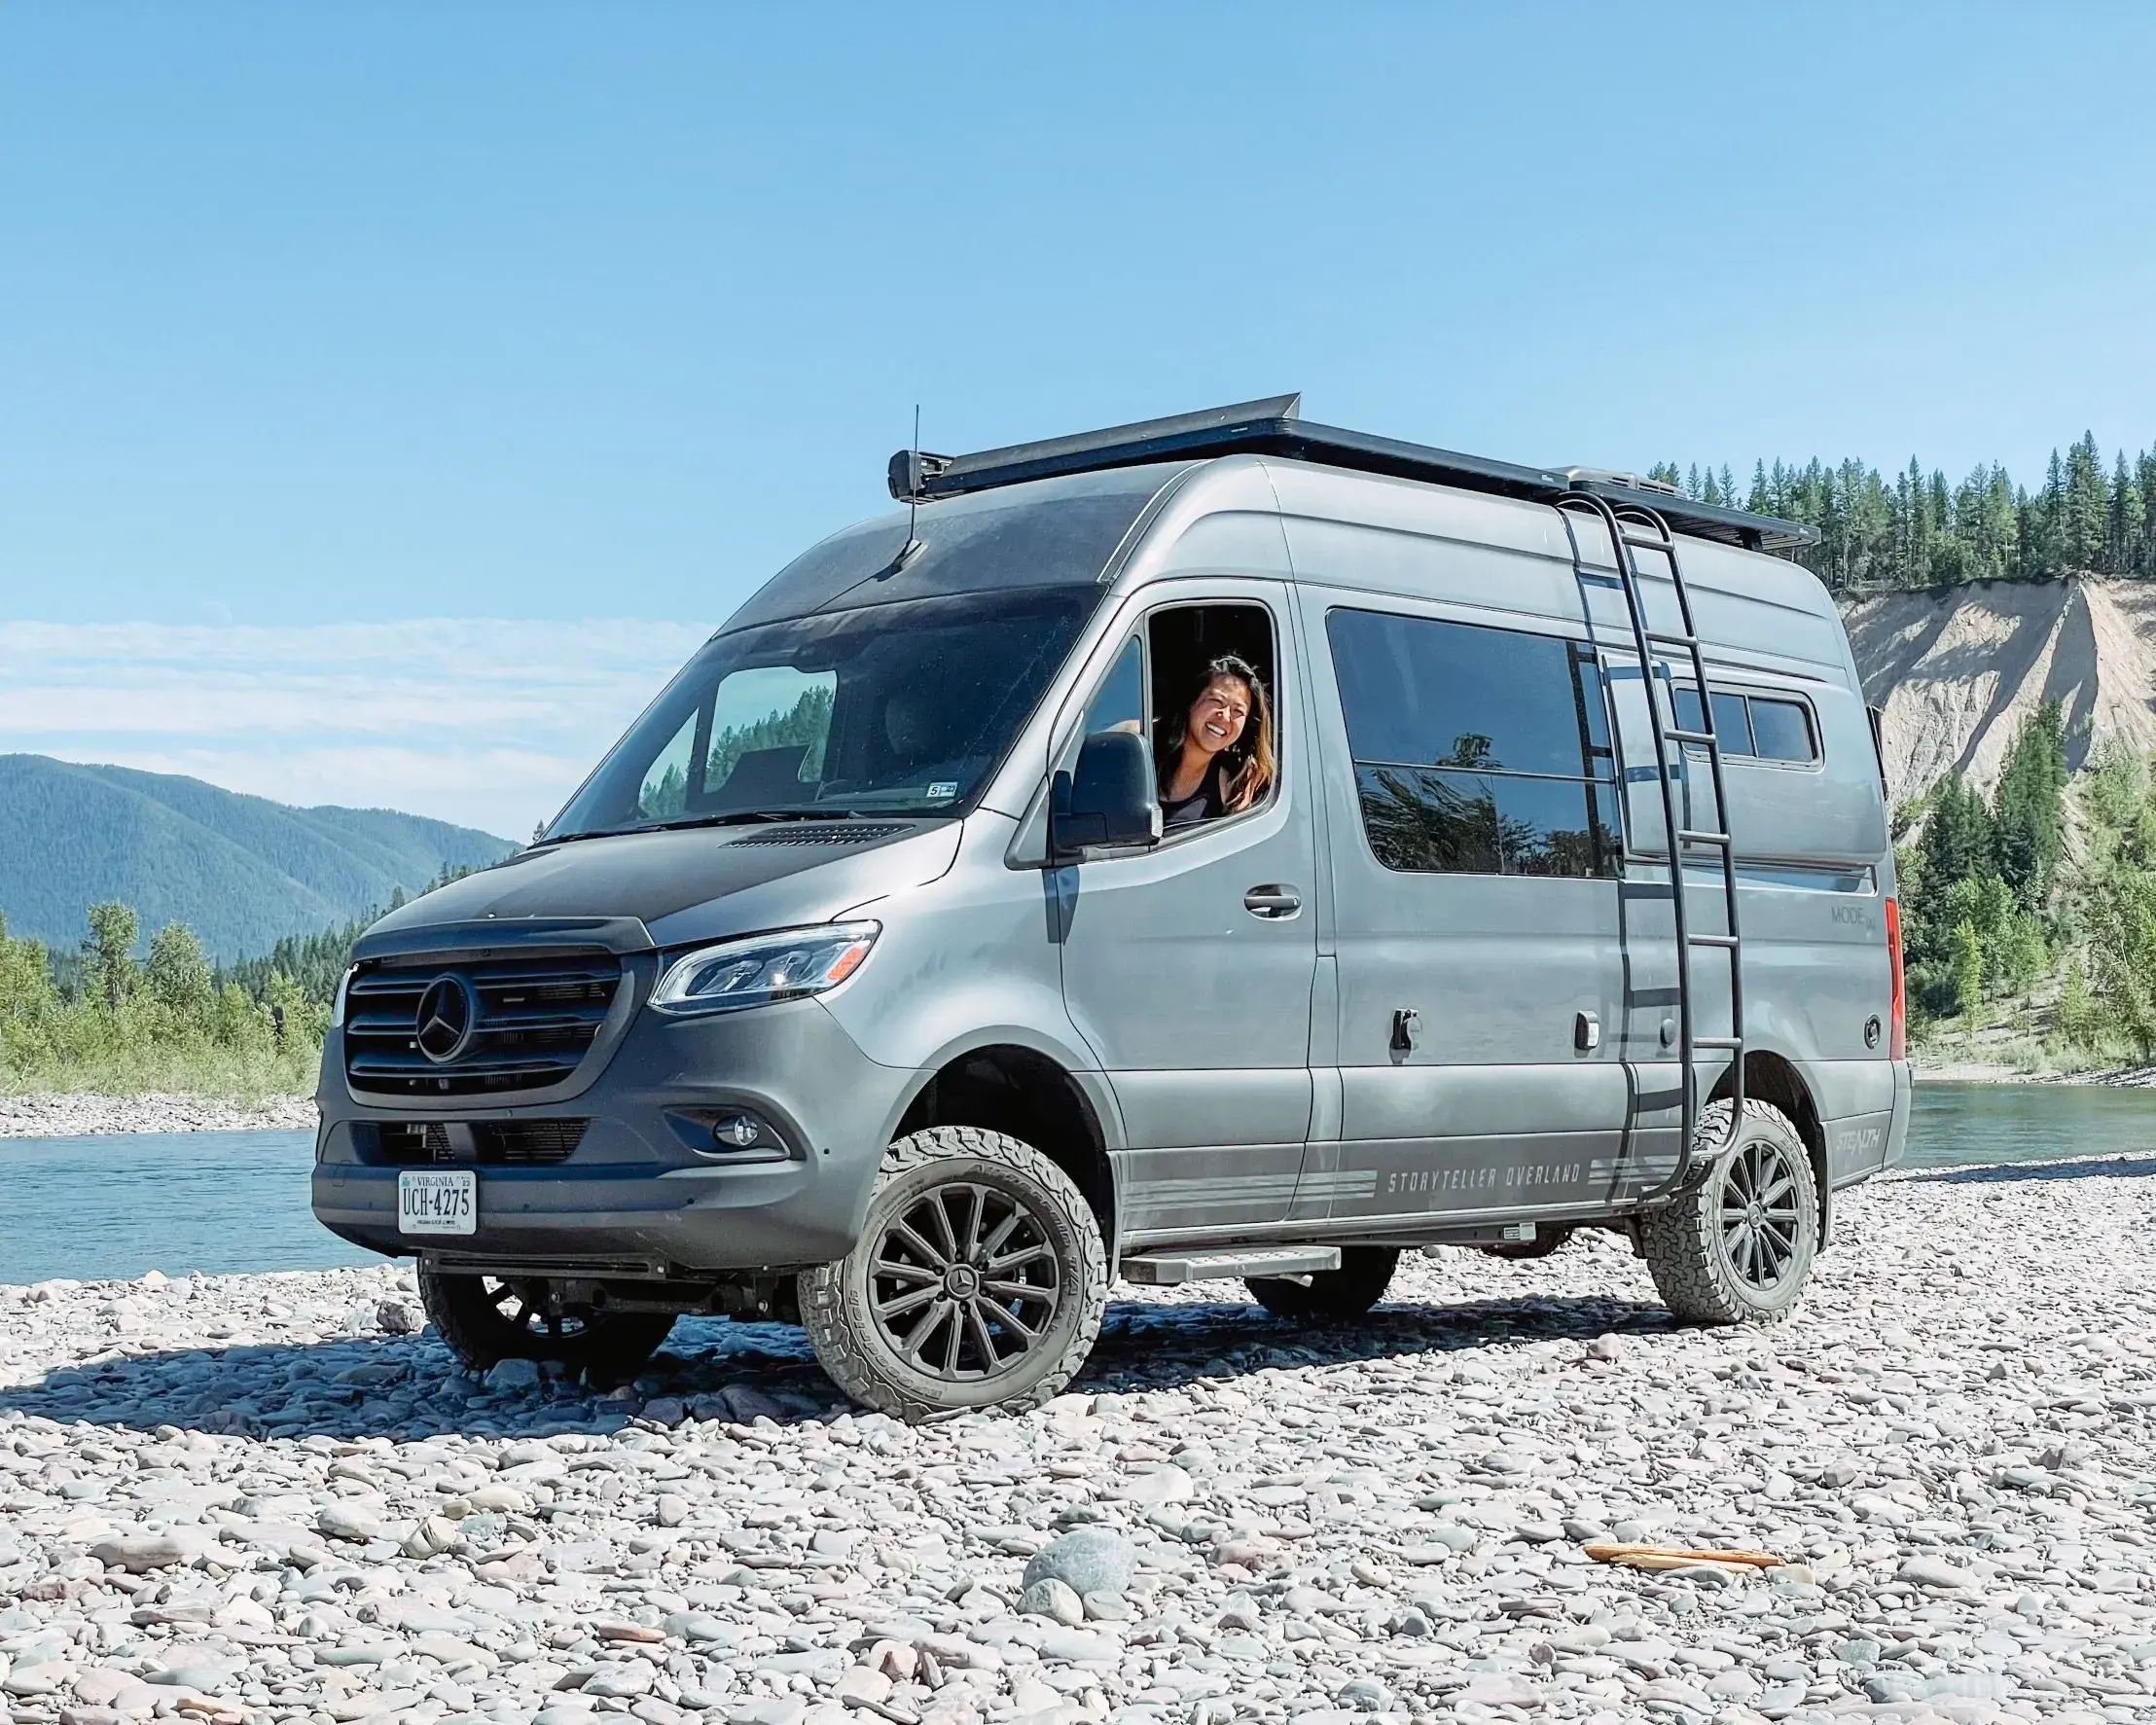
{"x":863,"y":981}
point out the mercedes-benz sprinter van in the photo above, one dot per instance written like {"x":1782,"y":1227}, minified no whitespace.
{"x":1221,"y":846}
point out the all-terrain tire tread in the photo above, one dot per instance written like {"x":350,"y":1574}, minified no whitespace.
{"x":840,"y":1351}
{"x":1678,"y":1242}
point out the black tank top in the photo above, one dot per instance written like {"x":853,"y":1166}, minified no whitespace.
{"x":1204,"y":804}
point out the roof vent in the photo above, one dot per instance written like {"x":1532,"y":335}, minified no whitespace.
{"x":1582,"y":477}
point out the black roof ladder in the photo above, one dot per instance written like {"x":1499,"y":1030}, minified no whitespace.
{"x":1635,"y":528}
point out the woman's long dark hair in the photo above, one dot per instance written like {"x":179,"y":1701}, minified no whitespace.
{"x":1246,"y":765}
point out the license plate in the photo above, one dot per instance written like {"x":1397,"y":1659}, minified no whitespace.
{"x":430,"y":1202}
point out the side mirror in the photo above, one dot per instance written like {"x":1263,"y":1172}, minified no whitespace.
{"x":1108,"y":799}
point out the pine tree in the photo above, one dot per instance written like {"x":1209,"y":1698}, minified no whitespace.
{"x":2042,"y":525}
{"x":2129,"y":521}
{"x":1956,"y":842}
{"x":2085,"y":529}
{"x":2028,"y":832}
{"x":2144,"y":482}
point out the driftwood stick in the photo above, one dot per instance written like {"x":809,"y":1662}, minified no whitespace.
{"x":1673,"y":1557}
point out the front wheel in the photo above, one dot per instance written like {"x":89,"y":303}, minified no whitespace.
{"x":1359,"y":1283}
{"x":485,"y":1320}
{"x":979,"y":1280}
{"x":1737,"y":1246}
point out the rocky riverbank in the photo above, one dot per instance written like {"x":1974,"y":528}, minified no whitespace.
{"x":264,"y":1498}
{"x":64,"y":1115}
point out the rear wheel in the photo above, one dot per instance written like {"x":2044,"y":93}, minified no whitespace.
{"x":1737,"y":1246}
{"x":485,"y":1320}
{"x":978,"y":1282}
{"x":1359,"y":1283}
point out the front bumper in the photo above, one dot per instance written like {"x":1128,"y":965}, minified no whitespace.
{"x":634,"y":1197}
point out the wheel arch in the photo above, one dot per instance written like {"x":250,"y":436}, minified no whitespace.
{"x":1775,"y":1078}
{"x":1012,"y":1088}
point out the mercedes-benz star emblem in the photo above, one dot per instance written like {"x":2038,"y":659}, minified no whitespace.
{"x":445,"y":1019}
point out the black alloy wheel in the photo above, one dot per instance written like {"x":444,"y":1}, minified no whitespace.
{"x":963,"y":1282}
{"x":1760,"y":1217}
{"x":977,"y":1281}
{"x":1737,"y":1245}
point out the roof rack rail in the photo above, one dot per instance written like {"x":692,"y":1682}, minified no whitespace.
{"x":1274,"y":426}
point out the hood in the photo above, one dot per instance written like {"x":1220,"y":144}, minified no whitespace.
{"x":695,"y":884}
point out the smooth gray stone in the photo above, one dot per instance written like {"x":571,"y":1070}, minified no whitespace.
{"x":1929,"y":1571}
{"x":1087,"y":1560}
{"x":140,"y":1553}
{"x":1055,"y":1600}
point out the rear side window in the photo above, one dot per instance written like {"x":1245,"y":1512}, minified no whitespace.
{"x":1782,"y":731}
{"x":1758,"y":727}
{"x":1478,"y":751}
{"x":1732,"y":724}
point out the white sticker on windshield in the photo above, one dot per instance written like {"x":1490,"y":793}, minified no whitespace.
{"x":942,"y":790}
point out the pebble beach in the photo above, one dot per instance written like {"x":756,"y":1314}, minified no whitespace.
{"x":66,"y":1114}
{"x":275,"y":1498}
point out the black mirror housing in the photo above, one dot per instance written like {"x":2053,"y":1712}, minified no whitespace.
{"x":1108,"y":799}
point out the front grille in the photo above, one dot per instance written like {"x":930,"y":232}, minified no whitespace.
{"x":534,"y":1018}
{"x":821,"y":834}
{"x":497,"y":1142}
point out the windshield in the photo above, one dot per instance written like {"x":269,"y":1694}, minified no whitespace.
{"x":901,"y":708}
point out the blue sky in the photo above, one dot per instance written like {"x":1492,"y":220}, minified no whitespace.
{"x":317,"y":317}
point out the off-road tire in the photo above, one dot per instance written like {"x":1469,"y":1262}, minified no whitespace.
{"x":484,"y":1326}
{"x":1694,"y":1246}
{"x":1549,"y":1236}
{"x":965,"y":1173}
{"x":1359,"y":1283}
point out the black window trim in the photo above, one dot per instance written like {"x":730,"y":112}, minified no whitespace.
{"x":1750,"y":693}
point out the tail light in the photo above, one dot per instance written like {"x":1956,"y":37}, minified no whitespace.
{"x":1897,"y":1035}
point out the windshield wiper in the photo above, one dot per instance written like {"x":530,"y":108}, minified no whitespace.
{"x":731,"y":819}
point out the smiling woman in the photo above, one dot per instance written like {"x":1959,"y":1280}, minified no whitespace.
{"x":1214,"y":740}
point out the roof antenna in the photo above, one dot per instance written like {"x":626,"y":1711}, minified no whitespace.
{"x":913,"y":503}
{"x":911,"y":462}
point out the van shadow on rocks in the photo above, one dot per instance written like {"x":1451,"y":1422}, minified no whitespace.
{"x":409,"y":1387}
{"x":2000,"y":1173}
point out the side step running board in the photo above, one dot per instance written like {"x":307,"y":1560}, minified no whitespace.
{"x":1164,"y":1269}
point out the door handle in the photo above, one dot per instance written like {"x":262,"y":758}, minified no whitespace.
{"x":1274,"y":903}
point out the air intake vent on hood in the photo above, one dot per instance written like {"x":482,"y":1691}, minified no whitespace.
{"x":820,"y":834}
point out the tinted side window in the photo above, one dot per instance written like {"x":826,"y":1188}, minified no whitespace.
{"x":1732,"y":726}
{"x":1457,"y":694}
{"x":1477,"y":750}
{"x":1758,"y":725}
{"x":1782,"y":729}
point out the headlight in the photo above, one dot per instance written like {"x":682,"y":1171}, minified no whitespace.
{"x":337,"y":1006}
{"x":768,"y":968}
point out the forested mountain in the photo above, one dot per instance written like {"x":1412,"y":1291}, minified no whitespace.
{"x":1921,"y":530}
{"x":241,"y":872}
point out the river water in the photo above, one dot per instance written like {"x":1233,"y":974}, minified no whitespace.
{"x":96,"y":1207}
